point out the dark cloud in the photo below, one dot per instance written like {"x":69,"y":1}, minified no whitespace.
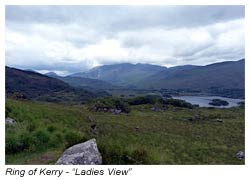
{"x":75,"y":38}
{"x":125,"y":17}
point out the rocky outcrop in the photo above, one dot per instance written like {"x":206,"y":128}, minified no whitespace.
{"x":240,"y":155}
{"x":106,"y":109}
{"x":81,"y":154}
{"x":10,"y":121}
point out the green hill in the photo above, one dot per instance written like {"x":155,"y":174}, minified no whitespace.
{"x":226,"y":75}
{"x":82,"y":82}
{"x":32,"y":85}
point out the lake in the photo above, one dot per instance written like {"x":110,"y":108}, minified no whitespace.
{"x":203,"y":101}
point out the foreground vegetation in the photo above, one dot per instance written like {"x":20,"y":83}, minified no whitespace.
{"x":171,"y":135}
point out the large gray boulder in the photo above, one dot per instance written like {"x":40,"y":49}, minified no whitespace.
{"x":81,"y":154}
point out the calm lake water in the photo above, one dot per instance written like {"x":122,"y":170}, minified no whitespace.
{"x":203,"y":101}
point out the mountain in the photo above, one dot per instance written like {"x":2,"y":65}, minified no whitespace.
{"x":226,"y":75}
{"x":51,"y":74}
{"x":121,"y":74}
{"x":32,"y":85}
{"x":81,"y":82}
{"x":87,"y":83}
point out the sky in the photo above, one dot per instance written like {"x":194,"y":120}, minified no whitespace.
{"x":69,"y":39}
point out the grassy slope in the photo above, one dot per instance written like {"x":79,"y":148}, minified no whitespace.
{"x":160,"y":137}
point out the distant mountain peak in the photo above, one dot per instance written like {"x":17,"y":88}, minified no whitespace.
{"x":121,"y":74}
{"x":51,"y":74}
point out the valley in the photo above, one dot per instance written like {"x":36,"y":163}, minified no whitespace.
{"x":136,"y":113}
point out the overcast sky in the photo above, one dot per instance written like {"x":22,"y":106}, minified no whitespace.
{"x":67,"y":39}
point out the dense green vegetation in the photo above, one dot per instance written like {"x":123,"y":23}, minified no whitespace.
{"x":22,"y":84}
{"x":218,"y":102}
{"x":174,"y":135}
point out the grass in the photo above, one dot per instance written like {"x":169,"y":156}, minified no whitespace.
{"x":173,"y":136}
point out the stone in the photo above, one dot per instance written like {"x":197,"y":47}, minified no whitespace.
{"x":117,"y":111}
{"x":240,"y":155}
{"x":81,"y":154}
{"x":219,"y":120}
{"x":10,"y":121}
{"x":93,"y":127}
{"x":90,"y":119}
{"x":156,"y":109}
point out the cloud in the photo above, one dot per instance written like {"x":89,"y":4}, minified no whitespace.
{"x":68,"y":39}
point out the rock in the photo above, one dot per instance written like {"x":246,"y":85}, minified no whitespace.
{"x":156,"y":109}
{"x":10,"y":121}
{"x":93,"y":127}
{"x":240,"y":155}
{"x":117,"y":111}
{"x":81,"y":154}
{"x":219,"y":120}
{"x":93,"y":108}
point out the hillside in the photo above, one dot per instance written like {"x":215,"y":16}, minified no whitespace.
{"x":32,"y":85}
{"x":81,"y":82}
{"x":121,"y":74}
{"x":173,"y":136}
{"x":226,"y":75}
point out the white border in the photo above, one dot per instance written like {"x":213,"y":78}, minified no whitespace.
{"x":205,"y":172}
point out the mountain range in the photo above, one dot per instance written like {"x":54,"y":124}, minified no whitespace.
{"x":32,"y":85}
{"x":121,"y":74}
{"x":219,"y":78}
{"x":227,"y":75}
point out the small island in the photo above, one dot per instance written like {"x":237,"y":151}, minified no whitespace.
{"x":218,"y":102}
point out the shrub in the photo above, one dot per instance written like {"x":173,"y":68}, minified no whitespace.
{"x":149,"y":99}
{"x":120,"y":104}
{"x":113,"y":154}
{"x":140,"y":156}
{"x":25,"y":141}
{"x":117,"y":154}
{"x":72,"y":138}
{"x":56,"y":140}
{"x":218,"y":102}
{"x":8,"y":110}
{"x":31,"y":126}
{"x":51,"y":128}
{"x":177,"y":103}
{"x":111,"y":102}
{"x":12,"y":145}
{"x":41,"y":137}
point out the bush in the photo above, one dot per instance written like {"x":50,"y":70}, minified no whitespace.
{"x":31,"y":126}
{"x":123,"y":106}
{"x":140,"y":156}
{"x":149,"y":99}
{"x":41,"y":137}
{"x":218,"y":102}
{"x":111,"y":102}
{"x":72,"y":138}
{"x":51,"y":128}
{"x":177,"y":103}
{"x":114,"y":154}
{"x":117,"y":154}
{"x":25,"y":141}
{"x":12,"y":145}
{"x":8,"y":110}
